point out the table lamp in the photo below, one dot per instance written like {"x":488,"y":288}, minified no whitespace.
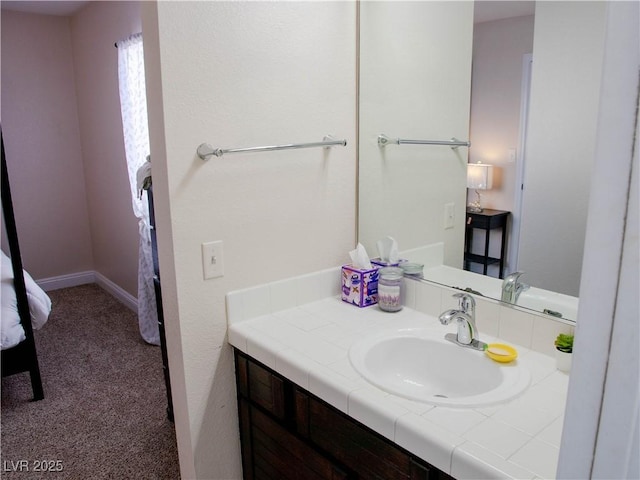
{"x":479,"y":177}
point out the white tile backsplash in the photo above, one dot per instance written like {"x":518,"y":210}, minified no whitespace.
{"x":545,"y":333}
{"x":283,"y":295}
{"x":256,"y":302}
{"x":234,"y":308}
{"x":487,"y":317}
{"x":429,"y":299}
{"x":409,"y":292}
{"x":516,"y":326}
{"x":308,"y":288}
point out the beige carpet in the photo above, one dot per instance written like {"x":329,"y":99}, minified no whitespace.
{"x":104,"y":411}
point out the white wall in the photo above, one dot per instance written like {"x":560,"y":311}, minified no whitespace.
{"x":561,"y":140}
{"x":243,"y":74}
{"x":498,"y":49}
{"x":42,"y":143}
{"x":415,"y":71}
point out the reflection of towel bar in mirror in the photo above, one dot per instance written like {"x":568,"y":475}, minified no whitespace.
{"x":205,"y":151}
{"x":454,"y":143}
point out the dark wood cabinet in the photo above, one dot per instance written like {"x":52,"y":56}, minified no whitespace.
{"x":486,"y":220}
{"x":288,"y":433}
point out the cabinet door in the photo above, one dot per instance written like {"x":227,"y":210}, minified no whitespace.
{"x":278,"y":454}
{"x":361,"y":450}
{"x":354,"y":445}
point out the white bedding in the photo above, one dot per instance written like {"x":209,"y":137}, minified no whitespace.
{"x":39,"y":306}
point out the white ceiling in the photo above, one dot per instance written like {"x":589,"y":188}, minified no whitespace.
{"x":51,"y":7}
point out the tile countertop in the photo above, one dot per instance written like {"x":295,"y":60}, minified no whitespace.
{"x":309,"y":345}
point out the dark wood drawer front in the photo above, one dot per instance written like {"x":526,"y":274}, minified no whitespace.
{"x":478,"y":221}
{"x":280,"y":455}
{"x":266,"y":390}
{"x":260,"y":386}
{"x":354,"y":446}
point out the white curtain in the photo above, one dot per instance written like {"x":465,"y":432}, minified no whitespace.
{"x":133,"y":104}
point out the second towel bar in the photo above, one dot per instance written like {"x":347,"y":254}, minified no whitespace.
{"x":454,"y":143}
{"x":205,"y":151}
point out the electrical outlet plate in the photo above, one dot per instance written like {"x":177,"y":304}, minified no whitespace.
{"x":212,"y":260}
{"x":449,"y":215}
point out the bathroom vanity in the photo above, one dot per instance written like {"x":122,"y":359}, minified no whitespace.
{"x":306,"y":412}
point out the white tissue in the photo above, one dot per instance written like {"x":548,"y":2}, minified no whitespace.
{"x":388,"y":250}
{"x":359,"y":258}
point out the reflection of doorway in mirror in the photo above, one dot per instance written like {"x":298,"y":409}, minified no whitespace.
{"x":499,"y":96}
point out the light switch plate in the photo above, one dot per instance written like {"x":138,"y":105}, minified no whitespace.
{"x":212,"y":259}
{"x":449,"y":215}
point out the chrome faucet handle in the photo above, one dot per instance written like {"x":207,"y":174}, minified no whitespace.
{"x":523,"y":286}
{"x":513,"y":277}
{"x":466,"y":303}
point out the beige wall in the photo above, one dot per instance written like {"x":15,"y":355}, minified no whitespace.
{"x":63,"y":135}
{"x":243,"y":74}
{"x":114,"y":229}
{"x":42,"y":142}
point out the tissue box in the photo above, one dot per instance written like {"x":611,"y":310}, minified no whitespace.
{"x":359,"y":287}
{"x":379,"y":263}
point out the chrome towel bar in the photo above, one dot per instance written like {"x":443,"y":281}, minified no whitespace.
{"x":205,"y":151}
{"x":454,"y":143}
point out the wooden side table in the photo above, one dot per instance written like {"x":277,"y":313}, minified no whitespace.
{"x":486,"y":220}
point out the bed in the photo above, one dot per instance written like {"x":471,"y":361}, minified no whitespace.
{"x":25,"y":306}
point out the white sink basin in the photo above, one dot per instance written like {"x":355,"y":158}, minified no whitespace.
{"x":421,"y":365}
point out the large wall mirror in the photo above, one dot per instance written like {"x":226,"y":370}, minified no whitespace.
{"x":441,"y":70}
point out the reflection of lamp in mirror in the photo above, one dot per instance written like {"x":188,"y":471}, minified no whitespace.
{"x":479,"y":177}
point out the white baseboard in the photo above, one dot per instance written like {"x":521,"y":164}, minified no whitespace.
{"x":125,"y":297}
{"x":66,"y":281}
{"x":83,"y":278}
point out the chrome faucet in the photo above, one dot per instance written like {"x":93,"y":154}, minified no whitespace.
{"x":465,"y":316}
{"x":512,"y":287}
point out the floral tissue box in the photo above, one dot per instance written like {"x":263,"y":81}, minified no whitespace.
{"x":359,"y":287}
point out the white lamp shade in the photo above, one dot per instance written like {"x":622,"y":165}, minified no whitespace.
{"x":479,"y":176}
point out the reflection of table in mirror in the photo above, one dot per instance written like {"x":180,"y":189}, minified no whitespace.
{"x":486,"y":220}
